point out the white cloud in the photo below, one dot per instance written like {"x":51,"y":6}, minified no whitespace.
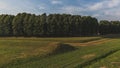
{"x":112,"y":12}
{"x":96,"y":15}
{"x":96,"y":6}
{"x":42,"y":7}
{"x":72,"y":9}
{"x":8,"y":7}
{"x":105,"y":9}
{"x":56,"y":2}
{"x":105,"y":4}
{"x":4,"y":6}
{"x":113,"y":3}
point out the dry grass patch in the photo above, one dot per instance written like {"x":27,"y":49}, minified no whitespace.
{"x":103,"y":67}
{"x":88,"y":56}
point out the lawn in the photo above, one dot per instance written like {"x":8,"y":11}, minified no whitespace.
{"x":34,"y":53}
{"x":79,"y":58}
{"x":24,"y":49}
{"x":111,"y":61}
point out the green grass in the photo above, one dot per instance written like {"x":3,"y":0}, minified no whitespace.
{"x":72,"y":59}
{"x":22,"y":50}
{"x":111,"y":61}
{"x":63,"y":39}
{"x":13,"y":49}
{"x":34,"y":53}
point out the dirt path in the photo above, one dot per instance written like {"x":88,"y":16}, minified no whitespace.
{"x":91,"y":43}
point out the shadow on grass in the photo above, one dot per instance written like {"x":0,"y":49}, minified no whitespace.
{"x":61,"y":48}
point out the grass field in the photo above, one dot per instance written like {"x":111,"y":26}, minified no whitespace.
{"x":37,"y":53}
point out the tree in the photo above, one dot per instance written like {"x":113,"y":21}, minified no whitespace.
{"x":17,"y":25}
{"x":89,"y":25}
{"x":44,"y":26}
{"x":24,"y":24}
{"x":115,"y":27}
{"x":104,"y":27}
{"x":7,"y":24}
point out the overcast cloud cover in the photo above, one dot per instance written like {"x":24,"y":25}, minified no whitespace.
{"x":101,"y":9}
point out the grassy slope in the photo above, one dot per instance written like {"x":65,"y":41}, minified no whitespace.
{"x":24,"y":48}
{"x":13,"y":49}
{"x":111,"y":61}
{"x":71,"y":59}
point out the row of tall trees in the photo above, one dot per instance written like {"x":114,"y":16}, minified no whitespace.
{"x":24,"y":24}
{"x":6,"y":25}
{"x":109,"y":27}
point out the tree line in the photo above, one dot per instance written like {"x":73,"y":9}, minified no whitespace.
{"x":109,"y":27}
{"x":25,"y":24}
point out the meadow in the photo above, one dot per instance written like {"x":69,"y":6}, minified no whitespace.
{"x":89,"y":52}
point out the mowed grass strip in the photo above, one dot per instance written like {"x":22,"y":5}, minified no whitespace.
{"x":69,"y":59}
{"x":62,"y":39}
{"x":111,"y":61}
{"x":96,"y":42}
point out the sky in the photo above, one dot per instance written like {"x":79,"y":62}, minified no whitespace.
{"x":101,"y":9}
